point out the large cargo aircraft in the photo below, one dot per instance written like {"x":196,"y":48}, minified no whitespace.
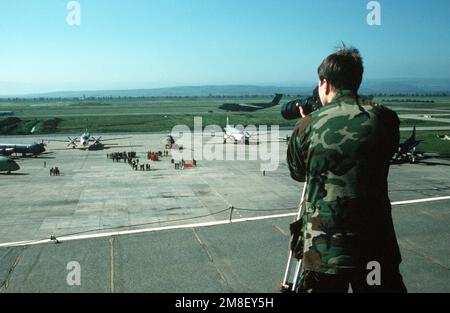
{"x":251,"y":107}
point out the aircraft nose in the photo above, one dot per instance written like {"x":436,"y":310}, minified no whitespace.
{"x":15,"y":167}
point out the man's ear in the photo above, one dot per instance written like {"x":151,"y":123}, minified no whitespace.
{"x":326,"y":87}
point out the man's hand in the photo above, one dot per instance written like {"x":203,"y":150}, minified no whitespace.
{"x":300,"y":108}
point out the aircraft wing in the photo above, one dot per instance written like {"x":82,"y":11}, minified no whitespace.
{"x":108,"y":139}
{"x":250,"y":106}
{"x":56,"y":140}
{"x":7,"y":151}
{"x":210,"y":134}
{"x":267,"y":141}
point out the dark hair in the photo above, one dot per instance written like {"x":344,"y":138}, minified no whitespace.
{"x":343,"y":69}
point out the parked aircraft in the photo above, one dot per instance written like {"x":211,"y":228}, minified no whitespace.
{"x":444,"y":137}
{"x":8,"y":165}
{"x":407,"y":150}
{"x":243,"y":137}
{"x":251,"y":107}
{"x":87,"y":142}
{"x":25,"y":149}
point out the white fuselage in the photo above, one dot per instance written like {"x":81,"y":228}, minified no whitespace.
{"x":233,"y":133}
{"x":84,"y":139}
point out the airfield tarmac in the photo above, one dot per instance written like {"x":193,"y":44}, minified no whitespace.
{"x":94,"y":196}
{"x":94,"y":192}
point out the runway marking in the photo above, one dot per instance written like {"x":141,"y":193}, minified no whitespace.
{"x":111,"y":249}
{"x":280,"y":230}
{"x":185,"y":226}
{"x":205,"y":248}
{"x":420,"y":200}
{"x":10,"y":271}
{"x":145,"y":230}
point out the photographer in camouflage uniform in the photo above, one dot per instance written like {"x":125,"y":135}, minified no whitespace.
{"x":342,"y":151}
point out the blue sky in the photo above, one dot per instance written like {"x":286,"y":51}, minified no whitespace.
{"x":159,"y":43}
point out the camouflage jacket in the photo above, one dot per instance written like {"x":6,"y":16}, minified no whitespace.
{"x":343,"y":152}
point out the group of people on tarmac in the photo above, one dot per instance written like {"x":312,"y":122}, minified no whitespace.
{"x":130,"y":158}
{"x":54,"y":171}
{"x":182,"y":164}
{"x":155,"y":155}
{"x":121,"y":156}
{"x":135,"y":165}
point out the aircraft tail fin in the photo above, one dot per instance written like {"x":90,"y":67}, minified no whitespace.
{"x":412,"y":138}
{"x":228,"y":121}
{"x":411,"y":142}
{"x":277,"y":98}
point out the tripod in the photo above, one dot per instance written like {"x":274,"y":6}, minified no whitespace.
{"x":289,"y":287}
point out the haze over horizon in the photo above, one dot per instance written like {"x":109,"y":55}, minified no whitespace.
{"x":168,"y":43}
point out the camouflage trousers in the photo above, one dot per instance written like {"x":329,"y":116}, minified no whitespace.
{"x":315,"y":282}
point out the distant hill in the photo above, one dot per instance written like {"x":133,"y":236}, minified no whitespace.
{"x":183,"y":91}
{"x":405,"y":86}
{"x":370,"y":86}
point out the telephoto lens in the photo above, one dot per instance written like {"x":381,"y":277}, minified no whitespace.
{"x":291,"y":111}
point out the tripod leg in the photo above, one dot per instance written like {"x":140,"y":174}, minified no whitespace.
{"x":298,"y":269}
{"x":285,"y":285}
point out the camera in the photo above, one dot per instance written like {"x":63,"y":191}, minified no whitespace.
{"x":290,"y":110}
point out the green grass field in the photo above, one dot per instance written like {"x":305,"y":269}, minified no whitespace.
{"x":416,"y":103}
{"x":162,"y":114}
{"x":136,"y":115}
